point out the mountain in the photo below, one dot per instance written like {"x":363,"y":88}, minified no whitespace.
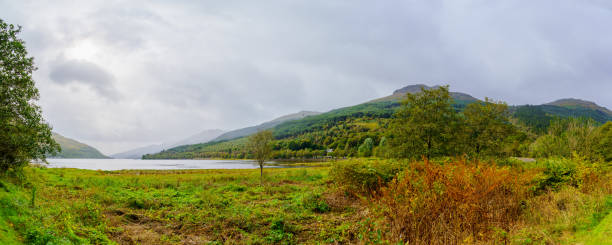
{"x":538,"y":117}
{"x":572,"y":103}
{"x":232,"y":144}
{"x":344,"y":129}
{"x":379,"y":108}
{"x":138,"y":152}
{"x":201,"y":137}
{"x":267,"y":125}
{"x":401,"y":93}
{"x":74,"y":149}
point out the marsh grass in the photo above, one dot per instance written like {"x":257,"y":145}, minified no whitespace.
{"x":353,"y":201}
{"x":168,"y":207}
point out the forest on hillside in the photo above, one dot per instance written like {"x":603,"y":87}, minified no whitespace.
{"x":368,"y":129}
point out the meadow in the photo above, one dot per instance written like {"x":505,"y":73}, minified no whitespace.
{"x":367,"y":201}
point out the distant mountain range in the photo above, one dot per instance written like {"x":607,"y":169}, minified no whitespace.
{"x":535,"y":116}
{"x":74,"y":149}
{"x":201,"y":137}
{"x":266,"y":125}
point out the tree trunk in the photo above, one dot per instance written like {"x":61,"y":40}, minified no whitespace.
{"x":261,"y":173}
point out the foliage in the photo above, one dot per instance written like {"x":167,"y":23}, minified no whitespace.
{"x":260,"y":145}
{"x":360,"y":177}
{"x":549,"y":218}
{"x":487,"y":127}
{"x":603,"y":142}
{"x":314,"y":203}
{"x":534,"y":117}
{"x":482,"y":130}
{"x":222,"y":149}
{"x":171,"y":207}
{"x":365,"y":150}
{"x":24,"y":135}
{"x":566,"y":137}
{"x":424,"y":125}
{"x":383,"y":109}
{"x":557,"y":173}
{"x":382,"y":150}
{"x":303,"y":205}
{"x":450,"y":203}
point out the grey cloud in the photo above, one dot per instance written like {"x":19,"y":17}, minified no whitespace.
{"x":192,"y":65}
{"x":87,"y":73}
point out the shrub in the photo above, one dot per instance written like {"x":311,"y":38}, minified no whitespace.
{"x":314,"y":203}
{"x":449,"y":203}
{"x":555,"y":174}
{"x":280,"y":232}
{"x":559,"y":172}
{"x":365,"y":176}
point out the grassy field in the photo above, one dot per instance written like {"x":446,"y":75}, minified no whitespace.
{"x":172,"y":207}
{"x":295,"y":206}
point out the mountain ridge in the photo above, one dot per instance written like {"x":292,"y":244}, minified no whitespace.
{"x":378,"y":109}
{"x":263,"y":126}
{"x":573,"y":103}
{"x":398,"y":94}
{"x":75,"y":149}
{"x":202,"y":137}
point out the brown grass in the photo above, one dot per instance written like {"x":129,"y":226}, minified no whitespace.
{"x":453,"y":203}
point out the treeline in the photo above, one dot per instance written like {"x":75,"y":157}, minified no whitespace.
{"x":430,"y":124}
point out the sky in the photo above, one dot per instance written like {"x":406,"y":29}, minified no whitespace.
{"x":123,"y":74}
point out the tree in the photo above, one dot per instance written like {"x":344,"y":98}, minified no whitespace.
{"x":381,"y":150}
{"x":24,"y":135}
{"x":425,"y":125}
{"x":570,"y":136}
{"x":487,"y":125}
{"x":260,"y":145}
{"x":365,"y":150}
{"x":603,"y":144}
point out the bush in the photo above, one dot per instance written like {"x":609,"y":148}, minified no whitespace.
{"x":559,"y":172}
{"x":555,"y":174}
{"x":314,"y":203}
{"x":365,"y":176}
{"x":280,"y":232}
{"x":449,"y":203}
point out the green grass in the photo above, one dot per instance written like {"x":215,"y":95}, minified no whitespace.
{"x":602,"y":232}
{"x":294,"y":206}
{"x":598,"y":228}
{"x":171,"y":207}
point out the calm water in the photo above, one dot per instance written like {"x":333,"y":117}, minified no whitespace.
{"x":119,"y":164}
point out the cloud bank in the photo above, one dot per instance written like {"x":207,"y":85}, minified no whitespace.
{"x":122,"y":74}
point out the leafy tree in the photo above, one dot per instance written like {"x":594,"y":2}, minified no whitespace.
{"x":24,"y":135}
{"x":381,"y":150}
{"x":365,"y":150}
{"x":566,"y":137}
{"x":425,"y":125}
{"x":603,"y":143}
{"x":260,"y":145}
{"x":487,"y":126}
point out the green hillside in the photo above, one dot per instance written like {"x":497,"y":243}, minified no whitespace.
{"x":74,"y":149}
{"x":580,"y":104}
{"x":538,"y":117}
{"x":342,"y":130}
{"x":267,"y":125}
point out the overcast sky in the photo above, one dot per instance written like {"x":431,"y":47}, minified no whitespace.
{"x":122,"y":74}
